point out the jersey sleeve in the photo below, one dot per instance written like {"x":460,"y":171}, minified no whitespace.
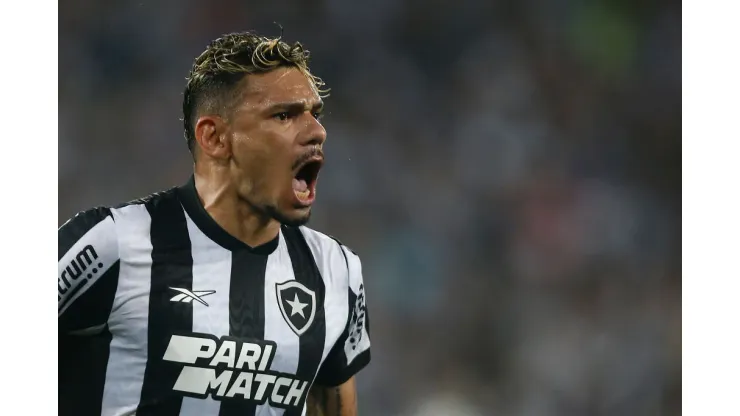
{"x":88,"y":270}
{"x":351,"y":352}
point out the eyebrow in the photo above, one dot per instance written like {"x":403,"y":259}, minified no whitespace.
{"x":294,"y":107}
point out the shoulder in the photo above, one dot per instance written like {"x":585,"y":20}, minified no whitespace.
{"x":94,"y":226}
{"x":332,"y":257}
{"x":325,"y":243}
{"x":91,"y":216}
{"x":149,"y":202}
{"x":86,"y":219}
{"x":98,"y":224}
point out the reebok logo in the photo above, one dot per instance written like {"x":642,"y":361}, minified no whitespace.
{"x":230,"y":368}
{"x":187,"y":296}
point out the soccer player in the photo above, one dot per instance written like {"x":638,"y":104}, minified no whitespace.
{"x":213,"y":297}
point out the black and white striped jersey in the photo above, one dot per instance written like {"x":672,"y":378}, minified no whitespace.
{"x":162,"y":312}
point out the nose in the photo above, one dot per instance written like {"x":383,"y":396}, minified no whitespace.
{"x":313,"y":133}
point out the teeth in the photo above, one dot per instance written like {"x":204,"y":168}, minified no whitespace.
{"x":303,"y":194}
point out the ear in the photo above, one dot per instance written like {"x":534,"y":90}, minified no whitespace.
{"x":210,"y":133}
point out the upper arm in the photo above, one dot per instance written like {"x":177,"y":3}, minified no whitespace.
{"x":351,"y":352}
{"x":87,"y":269}
{"x":333,"y":401}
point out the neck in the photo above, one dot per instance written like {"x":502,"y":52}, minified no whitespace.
{"x":235,"y":215}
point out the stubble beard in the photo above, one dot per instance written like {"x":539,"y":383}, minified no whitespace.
{"x":274,"y":213}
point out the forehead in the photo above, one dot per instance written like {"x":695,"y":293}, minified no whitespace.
{"x":279,"y":85}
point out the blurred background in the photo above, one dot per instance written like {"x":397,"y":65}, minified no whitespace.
{"x":508,"y":171}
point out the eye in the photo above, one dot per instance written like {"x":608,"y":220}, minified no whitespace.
{"x":281,"y":116}
{"x":318,"y":115}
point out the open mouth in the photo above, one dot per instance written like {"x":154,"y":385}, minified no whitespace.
{"x":304,"y":181}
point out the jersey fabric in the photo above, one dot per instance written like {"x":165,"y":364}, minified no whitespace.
{"x":162,"y":312}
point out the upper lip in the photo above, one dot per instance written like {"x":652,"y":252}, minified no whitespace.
{"x":313,"y":159}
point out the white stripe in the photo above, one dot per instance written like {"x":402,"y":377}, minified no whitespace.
{"x":279,"y":270}
{"x":333,"y":268}
{"x":211,"y":271}
{"x":102,"y":238}
{"x":128,"y":321}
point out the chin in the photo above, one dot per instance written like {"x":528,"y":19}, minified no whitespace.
{"x":295,"y":218}
{"x":295,"y":221}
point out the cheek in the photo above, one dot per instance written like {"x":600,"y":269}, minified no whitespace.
{"x":248,"y":152}
{"x":261,"y":160}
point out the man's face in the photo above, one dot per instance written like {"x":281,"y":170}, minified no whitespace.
{"x":277,"y":141}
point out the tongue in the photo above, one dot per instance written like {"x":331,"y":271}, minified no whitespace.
{"x":299,"y":185}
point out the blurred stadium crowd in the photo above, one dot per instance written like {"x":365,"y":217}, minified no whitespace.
{"x":508,"y":171}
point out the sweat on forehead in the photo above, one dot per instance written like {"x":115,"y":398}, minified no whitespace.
{"x":283,"y":84}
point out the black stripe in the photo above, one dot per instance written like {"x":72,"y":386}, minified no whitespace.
{"x":82,"y":365}
{"x":172,"y":266}
{"x":312,"y":341}
{"x":83,"y":360}
{"x":72,"y":294}
{"x":246,"y":313}
{"x":78,"y":226}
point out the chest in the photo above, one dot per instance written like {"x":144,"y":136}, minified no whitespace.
{"x":226,"y":311}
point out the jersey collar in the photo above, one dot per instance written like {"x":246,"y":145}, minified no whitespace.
{"x":188,"y":196}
